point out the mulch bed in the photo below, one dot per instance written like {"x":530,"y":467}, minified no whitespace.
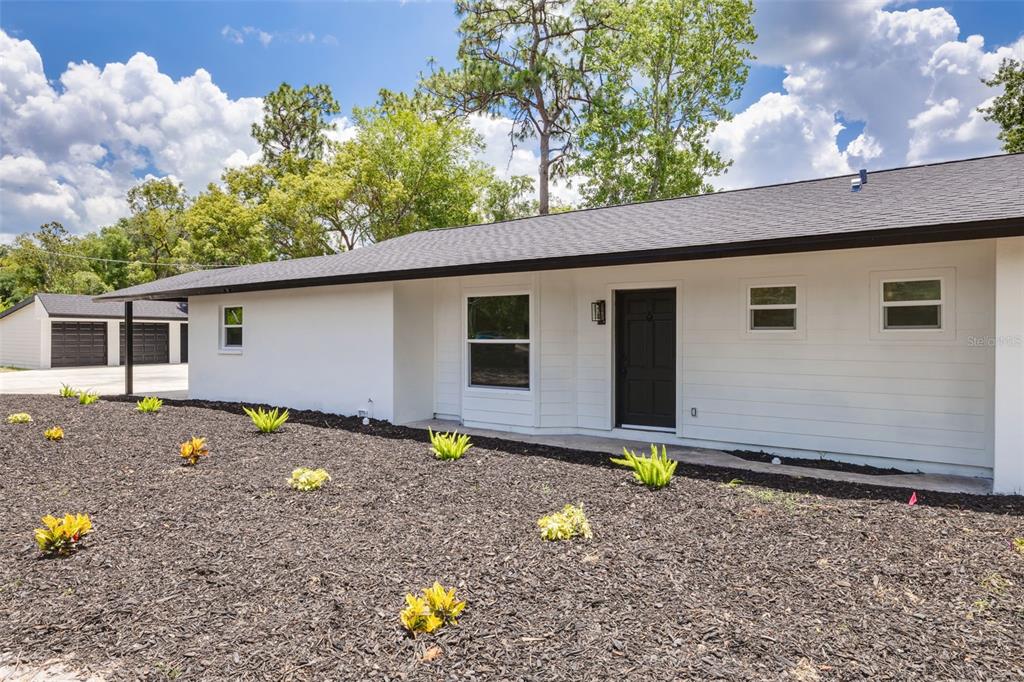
{"x":830,"y":464}
{"x":222,"y":572}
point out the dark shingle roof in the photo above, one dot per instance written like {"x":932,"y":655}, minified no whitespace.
{"x":73,"y":305}
{"x":967,"y":199}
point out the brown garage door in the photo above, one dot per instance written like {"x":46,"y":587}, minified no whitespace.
{"x":77,"y":344}
{"x":150,"y":344}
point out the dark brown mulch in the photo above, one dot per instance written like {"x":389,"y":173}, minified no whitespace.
{"x":830,"y":464}
{"x":221,"y":572}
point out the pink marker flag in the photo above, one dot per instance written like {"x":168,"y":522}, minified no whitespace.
{"x":913,"y":499}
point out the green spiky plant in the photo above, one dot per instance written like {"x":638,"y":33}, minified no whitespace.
{"x":449,"y":446}
{"x":67,"y":391}
{"x":267,"y":421}
{"x":87,"y":397}
{"x":655,"y":471}
{"x":149,"y":404}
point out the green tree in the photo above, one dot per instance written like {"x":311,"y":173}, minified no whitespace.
{"x":409,"y":167}
{"x":526,"y":59}
{"x":508,"y":199}
{"x":224,"y":227}
{"x":48,"y":260}
{"x":1007,"y":109}
{"x":293,"y":132}
{"x":155,"y":229}
{"x":664,"y":74}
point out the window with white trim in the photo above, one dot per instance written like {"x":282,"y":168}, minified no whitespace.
{"x":231,"y":327}
{"x":912,"y":303}
{"x":771,"y":308}
{"x":498,"y":330}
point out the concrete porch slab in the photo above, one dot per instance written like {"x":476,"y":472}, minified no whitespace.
{"x":718,"y":458}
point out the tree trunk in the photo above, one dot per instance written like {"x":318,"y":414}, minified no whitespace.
{"x":542,"y":172}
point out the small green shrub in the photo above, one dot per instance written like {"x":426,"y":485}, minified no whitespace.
{"x":438,"y":606}
{"x":267,"y":421}
{"x":61,"y":536}
{"x":305,"y":478}
{"x":19,"y":418}
{"x":566,"y":524}
{"x":87,"y":397}
{"x":67,"y":392}
{"x":149,"y":404}
{"x":449,"y":446}
{"x":56,"y":433}
{"x":1018,"y":545}
{"x":192,"y":449}
{"x":655,"y":471}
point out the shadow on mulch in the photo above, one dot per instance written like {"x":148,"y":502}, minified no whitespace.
{"x":993,"y":504}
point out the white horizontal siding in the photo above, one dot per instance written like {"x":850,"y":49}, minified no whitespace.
{"x":837,"y":386}
{"x":20,"y":334}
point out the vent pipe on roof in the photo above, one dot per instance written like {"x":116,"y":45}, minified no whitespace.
{"x":859,"y":181}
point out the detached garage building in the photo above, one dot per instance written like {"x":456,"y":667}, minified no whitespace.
{"x":64,"y":330}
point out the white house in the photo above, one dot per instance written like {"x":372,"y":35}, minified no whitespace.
{"x":64,"y":330}
{"x":881,"y":326}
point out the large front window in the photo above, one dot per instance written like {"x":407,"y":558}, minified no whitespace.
{"x":499,"y":341}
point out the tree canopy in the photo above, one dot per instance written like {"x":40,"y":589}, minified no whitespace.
{"x":1007,"y":109}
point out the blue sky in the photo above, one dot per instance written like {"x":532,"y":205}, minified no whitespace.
{"x":836,"y":85}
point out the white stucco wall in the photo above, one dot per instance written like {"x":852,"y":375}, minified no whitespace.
{"x":322,"y":348}
{"x":20,"y":337}
{"x":917,"y":400}
{"x":1009,"y":367}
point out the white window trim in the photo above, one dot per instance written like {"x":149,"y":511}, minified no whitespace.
{"x":222,"y":346}
{"x":800,"y":317}
{"x":940,"y":301}
{"x":476,"y":389}
{"x":947,"y":314}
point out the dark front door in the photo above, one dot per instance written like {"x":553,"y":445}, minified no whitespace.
{"x":183,"y":335}
{"x":150,"y":343}
{"x":77,"y":344}
{"x":645,"y":349}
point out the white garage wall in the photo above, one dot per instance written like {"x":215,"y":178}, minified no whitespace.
{"x":20,"y":334}
{"x":321,"y":348}
{"x":839,"y":387}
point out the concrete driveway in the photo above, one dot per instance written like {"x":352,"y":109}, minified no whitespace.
{"x":165,"y":381}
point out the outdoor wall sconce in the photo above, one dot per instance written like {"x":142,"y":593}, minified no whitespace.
{"x":597,"y":312}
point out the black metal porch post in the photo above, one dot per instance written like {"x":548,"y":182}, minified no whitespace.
{"x":129,"y":368}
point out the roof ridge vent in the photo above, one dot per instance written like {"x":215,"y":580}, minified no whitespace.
{"x":859,"y":181}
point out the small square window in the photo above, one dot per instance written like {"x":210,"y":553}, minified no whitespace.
{"x":912,"y":304}
{"x":772,"y":308}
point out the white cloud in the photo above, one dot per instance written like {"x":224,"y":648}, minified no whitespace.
{"x":71,"y":151}
{"x":239,"y":36}
{"x":904,"y":73}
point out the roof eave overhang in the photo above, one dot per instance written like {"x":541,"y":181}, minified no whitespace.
{"x":137,"y":318}
{"x":985,"y":229}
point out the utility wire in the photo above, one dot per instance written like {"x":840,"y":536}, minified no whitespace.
{"x":198,"y":266}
